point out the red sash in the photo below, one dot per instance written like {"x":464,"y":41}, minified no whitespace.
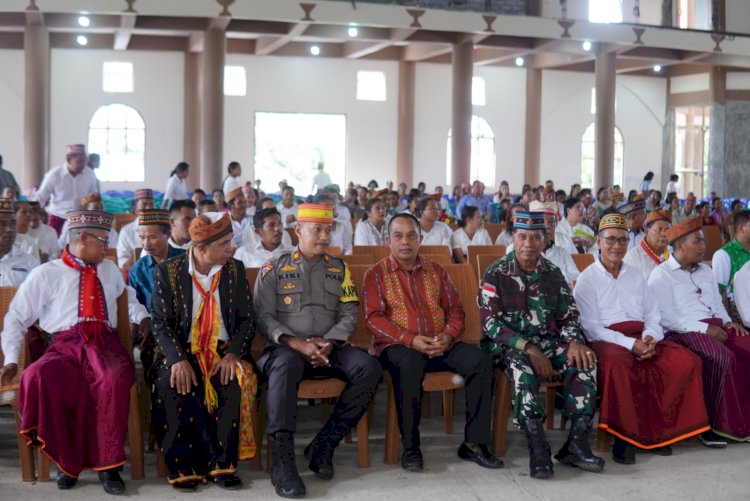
{"x":651,"y":253}
{"x":93,"y":317}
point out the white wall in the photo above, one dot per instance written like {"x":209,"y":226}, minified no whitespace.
{"x":11,"y":111}
{"x":76,"y":81}
{"x":310,"y":85}
{"x":566,"y":113}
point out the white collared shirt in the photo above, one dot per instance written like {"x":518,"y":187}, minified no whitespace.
{"x":564,"y":237}
{"x":342,"y":236}
{"x":230,"y":183}
{"x":686,"y":298}
{"x":27,"y":245}
{"x":604,"y":300}
{"x":46,"y":238}
{"x":127,"y":242}
{"x":640,"y":260}
{"x":367,"y":234}
{"x":244,"y":231}
{"x":64,"y":191}
{"x":460,"y":240}
{"x":742,"y":293}
{"x":50,"y":294}
{"x":205,"y":281}
{"x":176,"y":189}
{"x":284,"y":211}
{"x":174,"y":244}
{"x":15,"y":267}
{"x":440,"y":234}
{"x":254,"y":256}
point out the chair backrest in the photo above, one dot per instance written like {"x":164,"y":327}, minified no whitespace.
{"x":465,"y":280}
{"x":252,"y":276}
{"x":714,"y":242}
{"x":123,"y":219}
{"x":483,"y":262}
{"x":494,"y":229}
{"x":362,"y":249}
{"x":137,"y":253}
{"x":354,"y":259}
{"x":6,"y":296}
{"x":123,"y":323}
{"x":441,"y":259}
{"x":474,"y":250}
{"x":362,"y":337}
{"x":334,"y":250}
{"x":112,"y":254}
{"x":583,"y":261}
{"x":435,"y":249}
{"x":293,"y":236}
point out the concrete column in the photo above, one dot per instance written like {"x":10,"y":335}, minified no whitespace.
{"x":533,"y":136}
{"x":212,"y":109}
{"x":36,"y":104}
{"x":191,"y":150}
{"x":463,"y":69}
{"x":721,"y":138}
{"x":405,"y":129}
{"x":604,"y":152}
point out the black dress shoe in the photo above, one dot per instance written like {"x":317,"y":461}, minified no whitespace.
{"x":189,"y":486}
{"x":623,"y":452}
{"x":411,"y":459}
{"x":65,"y":482}
{"x":229,"y":482}
{"x":661,"y":451}
{"x":111,"y":482}
{"x":712,"y":440}
{"x":480,"y":455}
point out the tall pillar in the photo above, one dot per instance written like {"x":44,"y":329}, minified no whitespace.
{"x":722,"y":139}
{"x":405,"y":129}
{"x":212,"y":109}
{"x":463,"y":68}
{"x":533,"y":136}
{"x":36,"y":103}
{"x":604,"y":152}
{"x":191,"y":140}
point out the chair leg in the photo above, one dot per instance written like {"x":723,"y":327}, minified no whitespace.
{"x":135,"y":436}
{"x":602,"y":441}
{"x":392,"y":434}
{"x":549,"y":422}
{"x":502,"y":412}
{"x":43,"y":468}
{"x":25,"y":453}
{"x":448,"y":411}
{"x":363,"y":442}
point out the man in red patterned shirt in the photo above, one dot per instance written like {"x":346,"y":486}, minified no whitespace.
{"x":416,"y":318}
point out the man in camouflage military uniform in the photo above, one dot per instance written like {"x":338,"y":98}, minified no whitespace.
{"x":530,"y":323}
{"x":307,"y":307}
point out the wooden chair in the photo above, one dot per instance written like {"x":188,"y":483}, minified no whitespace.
{"x":377,"y":252}
{"x":435,"y":249}
{"x":483,"y":262}
{"x":446,"y":382}
{"x":713,"y":239}
{"x":112,"y":254}
{"x":358,"y":259}
{"x":334,"y":250}
{"x":474,"y":250}
{"x":441,"y":259}
{"x":123,"y":219}
{"x":293,"y":236}
{"x":494,"y":229}
{"x":137,"y":253}
{"x":583,"y":261}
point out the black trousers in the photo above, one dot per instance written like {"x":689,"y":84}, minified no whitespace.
{"x":407,"y":368}
{"x":284,"y":369}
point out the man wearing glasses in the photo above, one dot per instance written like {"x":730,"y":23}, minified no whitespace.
{"x":530,"y":324}
{"x":650,"y":388}
{"x":694,"y":316}
{"x":74,"y":400}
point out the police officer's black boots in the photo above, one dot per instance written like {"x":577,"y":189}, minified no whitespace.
{"x":284,"y":475}
{"x":576,"y":451}
{"x":540,"y":462}
{"x":320,"y":450}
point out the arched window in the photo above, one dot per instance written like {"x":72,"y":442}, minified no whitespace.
{"x":118,"y":134}
{"x":482,"y":153}
{"x":588,"y":141}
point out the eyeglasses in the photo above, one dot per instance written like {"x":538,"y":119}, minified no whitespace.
{"x":103,"y":241}
{"x":615,"y":240}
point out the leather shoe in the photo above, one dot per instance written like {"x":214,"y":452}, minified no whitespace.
{"x":189,"y":486}
{"x":65,"y":482}
{"x":661,"y":451}
{"x":229,"y":482}
{"x":480,"y":455}
{"x":623,"y":452}
{"x":411,"y":459}
{"x":111,"y":482}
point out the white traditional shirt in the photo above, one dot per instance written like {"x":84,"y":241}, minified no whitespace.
{"x":604,"y":300}
{"x":15,"y":266}
{"x":460,"y":240}
{"x":46,"y":239}
{"x":564,"y":235}
{"x":50,"y":294}
{"x":742,"y":293}
{"x":65,"y":238}
{"x":230,"y":183}
{"x":286,"y":211}
{"x":721,"y":264}
{"x":440,"y":234}
{"x":686,"y":298}
{"x":320,"y":181}
{"x":504,"y":238}
{"x":342,"y":236}
{"x":367,"y":234}
{"x":254,"y":256}
{"x":26,"y":245}
{"x":638,"y":258}
{"x":205,"y":281}
{"x":241,"y":230}
{"x":127,"y":242}
{"x":176,"y":189}
{"x":64,"y":191}
{"x":250,"y":211}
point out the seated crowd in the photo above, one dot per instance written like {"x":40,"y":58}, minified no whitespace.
{"x":649,"y":329}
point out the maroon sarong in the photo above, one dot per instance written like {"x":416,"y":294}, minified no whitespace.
{"x":56,"y":223}
{"x":652,"y":403}
{"x":726,"y":378}
{"x":75,"y":401}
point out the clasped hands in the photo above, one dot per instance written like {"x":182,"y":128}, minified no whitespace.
{"x":183,"y":376}
{"x":578,"y":354}
{"x":645,"y":348}
{"x":432,"y":346}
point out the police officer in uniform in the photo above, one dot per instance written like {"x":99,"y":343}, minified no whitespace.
{"x":307,"y":308}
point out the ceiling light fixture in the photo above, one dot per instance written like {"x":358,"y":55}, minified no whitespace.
{"x":315,"y":50}
{"x":84,"y":21}
{"x":657,"y":68}
{"x":82,"y":40}
{"x":353,"y":32}
{"x":519,"y":61}
{"x":586,"y":46}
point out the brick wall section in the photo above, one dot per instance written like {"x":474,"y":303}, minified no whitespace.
{"x":509,"y":7}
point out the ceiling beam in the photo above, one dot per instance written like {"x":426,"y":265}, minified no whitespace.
{"x":358,"y":49}
{"x":422,"y":51}
{"x":550,"y":60}
{"x":269,"y":44}
{"x":123,"y":34}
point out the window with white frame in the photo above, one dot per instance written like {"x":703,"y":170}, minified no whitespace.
{"x":235,"y":81}
{"x":371,"y":86}
{"x":117,"y":76}
{"x":482,"y":153}
{"x":118,"y":134}
{"x":588,"y":148}
{"x":478,"y":91}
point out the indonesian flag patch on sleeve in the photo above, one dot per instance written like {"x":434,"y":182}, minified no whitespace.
{"x":265,"y":269}
{"x":488,"y":291}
